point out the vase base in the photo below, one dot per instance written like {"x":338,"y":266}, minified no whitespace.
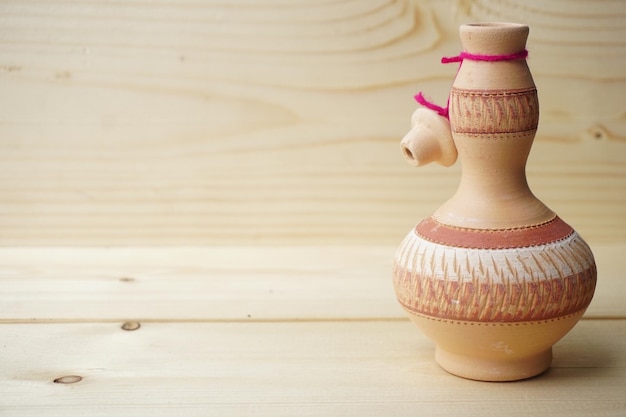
{"x":494,"y":370}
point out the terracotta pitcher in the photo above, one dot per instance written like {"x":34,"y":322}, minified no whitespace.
{"x":493,"y":277}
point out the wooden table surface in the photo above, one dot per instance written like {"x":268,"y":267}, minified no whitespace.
{"x":273,"y":126}
{"x":264,"y":331}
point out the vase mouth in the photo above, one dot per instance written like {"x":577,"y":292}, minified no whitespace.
{"x":494,"y":38}
{"x":502,"y":25}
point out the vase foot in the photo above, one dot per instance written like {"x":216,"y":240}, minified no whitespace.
{"x":495,"y":370}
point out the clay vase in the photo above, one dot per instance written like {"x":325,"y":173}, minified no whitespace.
{"x":493,"y":277}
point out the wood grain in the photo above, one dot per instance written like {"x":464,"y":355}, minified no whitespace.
{"x":206,"y":122}
{"x":267,"y":331}
{"x":226,"y":284}
{"x":286,"y":369}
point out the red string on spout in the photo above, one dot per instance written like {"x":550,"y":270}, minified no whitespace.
{"x":443,"y":111}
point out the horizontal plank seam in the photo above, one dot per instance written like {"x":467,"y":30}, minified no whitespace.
{"x":238,"y":320}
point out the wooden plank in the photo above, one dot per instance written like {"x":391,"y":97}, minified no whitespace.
{"x":197,"y":283}
{"x":225,"y":283}
{"x":212,"y":122}
{"x":286,"y":369}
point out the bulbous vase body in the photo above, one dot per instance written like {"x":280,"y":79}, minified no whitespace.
{"x":494,"y":277}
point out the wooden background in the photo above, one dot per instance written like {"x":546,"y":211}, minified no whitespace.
{"x":278,"y":122}
{"x":273,"y":126}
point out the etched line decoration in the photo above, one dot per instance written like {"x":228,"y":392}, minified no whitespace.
{"x":493,"y":111}
{"x":502,"y":285}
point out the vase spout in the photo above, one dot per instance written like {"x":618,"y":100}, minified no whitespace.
{"x":429,"y":140}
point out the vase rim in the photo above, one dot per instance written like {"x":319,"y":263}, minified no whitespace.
{"x":495,"y":25}
{"x":494,"y":38}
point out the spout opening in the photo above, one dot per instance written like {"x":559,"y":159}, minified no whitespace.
{"x":409,"y":156}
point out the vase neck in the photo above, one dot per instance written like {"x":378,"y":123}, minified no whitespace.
{"x":493,"y":192}
{"x":494,"y":175}
{"x":494,"y":114}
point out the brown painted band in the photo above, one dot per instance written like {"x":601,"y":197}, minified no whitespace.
{"x":488,"y":112}
{"x":541,"y":234}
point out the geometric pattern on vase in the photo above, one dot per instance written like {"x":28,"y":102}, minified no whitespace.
{"x":544,"y":281}
{"x":494,"y":111}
